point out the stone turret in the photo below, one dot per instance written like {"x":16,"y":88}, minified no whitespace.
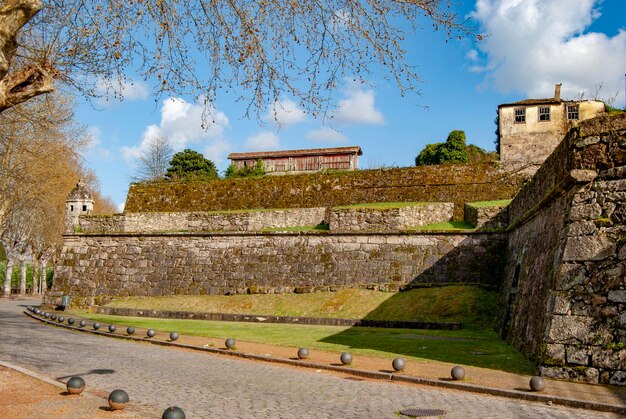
{"x":79,"y":202}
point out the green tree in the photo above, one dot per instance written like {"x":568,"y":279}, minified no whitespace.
{"x":190,"y":165}
{"x":248,"y":171}
{"x":454,"y":150}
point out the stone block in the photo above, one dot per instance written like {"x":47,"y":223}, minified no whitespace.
{"x":588,"y":248}
{"x":561,"y":305}
{"x":608,"y":358}
{"x":582,"y":374}
{"x":571,"y":275}
{"x":578,"y":356}
{"x":585,"y":212}
{"x":617,"y":296}
{"x":581,"y":228}
{"x":554,"y":354}
{"x":610,"y":185}
{"x":618,"y":378}
{"x":571,"y":329}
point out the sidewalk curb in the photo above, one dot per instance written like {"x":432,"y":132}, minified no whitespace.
{"x":512,"y":394}
{"x":33,"y":374}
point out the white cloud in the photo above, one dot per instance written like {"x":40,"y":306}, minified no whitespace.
{"x":184,"y":124}
{"x":326,"y":134}
{"x":94,"y":147}
{"x":120,"y":207}
{"x":263,"y":141}
{"x":285,"y":112}
{"x":472,"y":55}
{"x":358,"y":108}
{"x":217,"y":150}
{"x":533,"y":44}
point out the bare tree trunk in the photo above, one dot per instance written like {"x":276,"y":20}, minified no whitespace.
{"x":35,"y":289}
{"x":42,"y":272}
{"x":7,"y":277}
{"x":23,"y":277}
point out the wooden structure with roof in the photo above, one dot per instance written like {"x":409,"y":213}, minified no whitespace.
{"x":300,"y":161}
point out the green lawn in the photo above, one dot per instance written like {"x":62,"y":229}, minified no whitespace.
{"x":476,"y":344}
{"x":477,"y":347}
{"x":482,"y":204}
{"x":446,"y":226}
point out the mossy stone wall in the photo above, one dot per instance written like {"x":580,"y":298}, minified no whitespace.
{"x":449,"y":183}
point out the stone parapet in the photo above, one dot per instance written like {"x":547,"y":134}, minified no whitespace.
{"x":201,"y":221}
{"x":388,"y":219}
{"x":487,"y":217}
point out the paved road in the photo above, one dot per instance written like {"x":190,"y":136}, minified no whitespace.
{"x":213,"y":387}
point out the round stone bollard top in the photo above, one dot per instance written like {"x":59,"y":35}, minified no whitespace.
{"x":112,"y":328}
{"x":173,"y":412}
{"x":71,"y":321}
{"x":398,"y":364}
{"x":53,"y":316}
{"x":75,"y":385}
{"x":96,"y":326}
{"x":130,"y":330}
{"x":150,"y":333}
{"x":458,"y":373}
{"x":346,"y":358}
{"x":303,"y":353}
{"x":174,"y":336}
{"x":118,"y":399}
{"x":230,"y":343}
{"x":82,"y":323}
{"x":537,"y":383}
{"x":61,"y":319}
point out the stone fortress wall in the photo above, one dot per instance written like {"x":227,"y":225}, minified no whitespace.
{"x":564,"y":282}
{"x":560,"y":264}
{"x":96,"y":267}
{"x":154,"y":222}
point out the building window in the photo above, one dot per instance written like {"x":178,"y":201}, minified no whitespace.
{"x":72,"y":208}
{"x":84,"y":207}
{"x":544,"y":113}
{"x":572,"y":112}
{"x":520,"y":115}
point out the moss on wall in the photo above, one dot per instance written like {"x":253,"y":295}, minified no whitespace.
{"x":448,"y":183}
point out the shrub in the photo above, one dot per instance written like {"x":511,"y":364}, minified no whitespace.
{"x":248,"y":171}
{"x":453,"y":150}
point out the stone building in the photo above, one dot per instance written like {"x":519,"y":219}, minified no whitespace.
{"x":298,"y":161}
{"x":79,"y":202}
{"x":531,"y":129}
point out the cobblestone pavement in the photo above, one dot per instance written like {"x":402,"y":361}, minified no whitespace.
{"x":209,"y":386}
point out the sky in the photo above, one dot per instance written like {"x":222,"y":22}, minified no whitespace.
{"x":530,"y":46}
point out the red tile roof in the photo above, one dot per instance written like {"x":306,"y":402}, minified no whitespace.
{"x":294,"y":153}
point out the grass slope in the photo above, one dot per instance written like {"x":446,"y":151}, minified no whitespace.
{"x":466,"y":304}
